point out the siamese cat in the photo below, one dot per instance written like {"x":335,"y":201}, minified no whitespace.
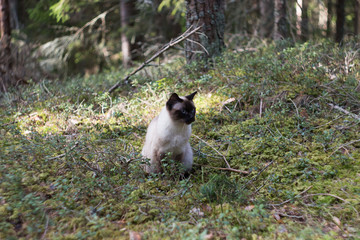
{"x":169,"y":133}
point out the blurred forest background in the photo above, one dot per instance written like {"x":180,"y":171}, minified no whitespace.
{"x":65,"y":37}
{"x":276,"y":140}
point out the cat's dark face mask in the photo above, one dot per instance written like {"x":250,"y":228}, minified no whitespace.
{"x":182,"y":110}
{"x":190,"y":117}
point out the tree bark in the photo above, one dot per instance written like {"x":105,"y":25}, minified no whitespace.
{"x":5,"y":29}
{"x":357,"y":18}
{"x":210,"y":42}
{"x":305,"y":20}
{"x":329,"y":18}
{"x":281,"y":28}
{"x":5,"y":40}
{"x":266,"y":18}
{"x":340,"y":20}
{"x":125,"y":43}
{"x":14,"y":19}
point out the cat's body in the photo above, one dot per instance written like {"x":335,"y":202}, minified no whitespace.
{"x":169,"y":133}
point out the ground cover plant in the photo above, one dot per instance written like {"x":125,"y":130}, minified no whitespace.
{"x":287,"y":114}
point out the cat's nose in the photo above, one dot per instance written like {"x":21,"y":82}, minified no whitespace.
{"x":189,"y":121}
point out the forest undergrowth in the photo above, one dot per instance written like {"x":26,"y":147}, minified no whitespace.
{"x":289,"y":115}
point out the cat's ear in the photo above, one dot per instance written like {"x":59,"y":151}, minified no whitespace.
{"x":191,"y":96}
{"x":174,"y":98}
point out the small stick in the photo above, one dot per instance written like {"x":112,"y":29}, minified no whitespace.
{"x":344,"y":145}
{"x":291,"y":216}
{"x":344,"y":111}
{"x":46,"y":228}
{"x":63,"y":154}
{"x":253,"y":179}
{"x":227,"y":163}
{"x":325,"y":194}
{"x":225,"y":169}
{"x":192,"y":41}
{"x":191,"y":30}
{"x":297,"y":111}
{"x":279,"y":204}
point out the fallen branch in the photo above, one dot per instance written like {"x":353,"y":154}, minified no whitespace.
{"x":334,"y":196}
{"x":191,"y":30}
{"x":253,"y":179}
{"x":325,"y":194}
{"x":227,"y":163}
{"x":63,"y":154}
{"x":343,"y":146}
{"x":46,"y":228}
{"x":279,"y":204}
{"x":353,"y":115}
{"x":225,"y":169}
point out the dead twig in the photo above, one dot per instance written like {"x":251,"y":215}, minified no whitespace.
{"x":46,"y":228}
{"x":253,"y":179}
{"x":191,"y":30}
{"x":343,"y":146}
{"x":227,"y":163}
{"x":302,"y":193}
{"x":353,"y":115}
{"x":63,"y":154}
{"x":192,"y":41}
{"x":225,"y":169}
{"x":325,"y":194}
{"x":334,"y":196}
{"x":291,"y":216}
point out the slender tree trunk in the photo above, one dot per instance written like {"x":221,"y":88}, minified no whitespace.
{"x":5,"y":26}
{"x":329,"y":18}
{"x":281,"y":27}
{"x":5,"y":51}
{"x":305,"y":20}
{"x":266,"y":18}
{"x":323,"y":17}
{"x":357,"y":18}
{"x":125,"y":44}
{"x":340,"y":20}
{"x":210,"y":42}
{"x":14,"y":20}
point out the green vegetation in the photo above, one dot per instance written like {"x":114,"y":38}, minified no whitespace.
{"x":70,"y":153}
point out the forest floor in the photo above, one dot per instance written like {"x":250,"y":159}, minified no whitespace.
{"x":289,"y":115}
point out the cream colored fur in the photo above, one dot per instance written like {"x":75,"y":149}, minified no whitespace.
{"x":167,"y":136}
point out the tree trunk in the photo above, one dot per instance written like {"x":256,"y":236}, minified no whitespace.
{"x":329,"y":18}
{"x":5,"y":26}
{"x":323,"y":18}
{"x":266,"y":18}
{"x":281,"y":28}
{"x":125,"y":44}
{"x":210,"y":42}
{"x":5,"y":51}
{"x":305,"y":20}
{"x":14,"y":20}
{"x":357,"y":18}
{"x":340,"y":20}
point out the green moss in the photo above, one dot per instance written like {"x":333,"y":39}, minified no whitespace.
{"x":65,"y":165}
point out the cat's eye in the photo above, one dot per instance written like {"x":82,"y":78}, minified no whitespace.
{"x":183,"y":111}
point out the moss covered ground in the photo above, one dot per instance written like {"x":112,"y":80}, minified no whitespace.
{"x":287,"y":114}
